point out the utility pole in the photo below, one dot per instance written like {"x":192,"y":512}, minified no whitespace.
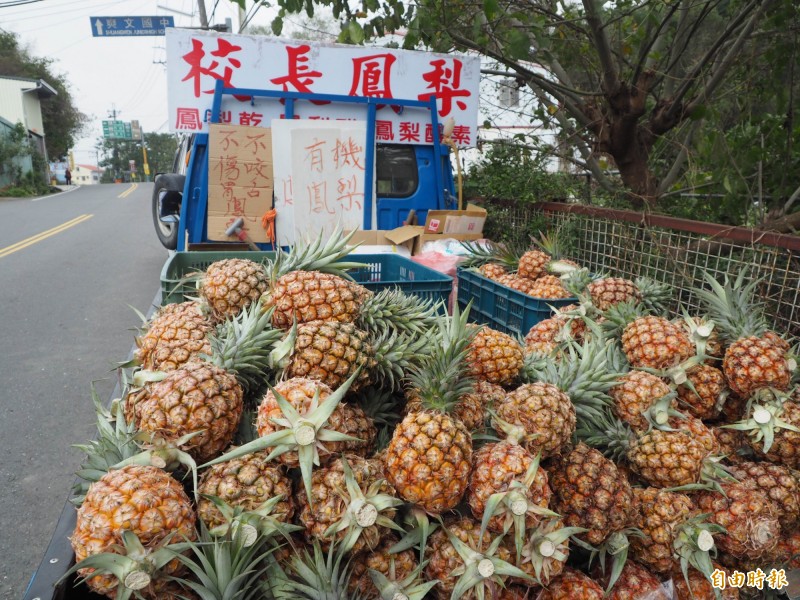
{"x":115,"y":152}
{"x":201,"y":7}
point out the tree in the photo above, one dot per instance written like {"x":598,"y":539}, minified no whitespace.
{"x":61,"y":118}
{"x":117,"y":155}
{"x":628,"y":80}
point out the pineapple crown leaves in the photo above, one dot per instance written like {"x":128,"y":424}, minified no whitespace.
{"x":765,"y":411}
{"x":243,"y":345}
{"x":619,"y":315}
{"x":250,"y":524}
{"x":410,"y":588}
{"x":733,"y":306}
{"x":611,"y":436}
{"x":364,"y":509}
{"x":583,"y":375}
{"x":224,"y":566}
{"x":304,"y":434}
{"x":616,"y":546}
{"x":115,"y":442}
{"x":656,"y":295}
{"x":480,"y":567}
{"x":131,"y":563}
{"x":392,"y":309}
{"x":479,"y":254}
{"x":395,"y":354}
{"x":659,"y":413}
{"x":319,"y":576}
{"x":694,"y":545}
{"x":712,"y":475}
{"x":314,"y":255}
{"x":418,"y":529}
{"x":514,"y":506}
{"x":547,"y":543}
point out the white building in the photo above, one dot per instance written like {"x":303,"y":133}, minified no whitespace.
{"x":20,"y":102}
{"x":86,"y":174}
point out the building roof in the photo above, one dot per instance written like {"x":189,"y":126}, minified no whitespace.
{"x":91,"y":168}
{"x":41,"y":87}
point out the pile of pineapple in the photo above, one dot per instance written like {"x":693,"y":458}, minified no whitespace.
{"x":290,"y":434}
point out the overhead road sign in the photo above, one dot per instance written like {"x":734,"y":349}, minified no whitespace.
{"x":117,"y":130}
{"x":130,"y":26}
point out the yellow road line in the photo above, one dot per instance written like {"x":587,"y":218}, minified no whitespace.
{"x":40,"y":236}
{"x":127,"y":192}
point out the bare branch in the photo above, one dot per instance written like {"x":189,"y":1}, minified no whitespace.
{"x":792,"y":199}
{"x":658,"y":41}
{"x":677,"y":167}
{"x":611,"y":81}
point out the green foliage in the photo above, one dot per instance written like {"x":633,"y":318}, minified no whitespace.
{"x":117,"y":155}
{"x":62,"y":120}
{"x":14,"y":147}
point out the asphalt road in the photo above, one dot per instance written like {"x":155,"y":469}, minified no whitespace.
{"x":71,"y":265}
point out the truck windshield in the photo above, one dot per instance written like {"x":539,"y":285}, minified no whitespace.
{"x":396,"y":170}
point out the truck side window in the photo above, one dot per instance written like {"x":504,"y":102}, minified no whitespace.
{"x":396,"y":170}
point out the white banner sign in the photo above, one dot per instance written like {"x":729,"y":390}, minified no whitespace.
{"x":197,"y":60}
{"x":319,"y":178}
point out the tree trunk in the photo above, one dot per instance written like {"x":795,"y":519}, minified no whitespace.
{"x":632,"y":162}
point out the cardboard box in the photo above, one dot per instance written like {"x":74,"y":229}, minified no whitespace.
{"x":401,"y":237}
{"x":420,"y":240}
{"x":240,"y":179}
{"x":468,"y":221}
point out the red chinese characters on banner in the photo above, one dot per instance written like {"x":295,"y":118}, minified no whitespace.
{"x":300,"y":76}
{"x":384,"y":131}
{"x":445,"y":81}
{"x":188,"y":118}
{"x":347,"y":153}
{"x":372,"y":76}
{"x":409,"y":132}
{"x":214,"y":69}
{"x":348,"y":192}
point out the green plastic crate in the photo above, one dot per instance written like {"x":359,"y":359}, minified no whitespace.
{"x":502,"y":308}
{"x":382,"y":271}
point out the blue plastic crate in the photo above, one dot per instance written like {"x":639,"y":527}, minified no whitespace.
{"x":383,"y":271}
{"x":502,"y":308}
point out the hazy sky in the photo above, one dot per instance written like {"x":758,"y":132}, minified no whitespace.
{"x":108,"y":73}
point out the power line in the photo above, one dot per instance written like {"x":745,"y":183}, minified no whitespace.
{"x":18,"y":3}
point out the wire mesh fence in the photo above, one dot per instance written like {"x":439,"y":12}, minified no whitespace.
{"x":674,"y":251}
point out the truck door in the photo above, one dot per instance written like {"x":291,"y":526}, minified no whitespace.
{"x":405,"y":180}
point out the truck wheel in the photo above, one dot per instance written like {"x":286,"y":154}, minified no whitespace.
{"x":163,"y":194}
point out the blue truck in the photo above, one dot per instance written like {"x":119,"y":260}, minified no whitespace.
{"x":408,"y":177}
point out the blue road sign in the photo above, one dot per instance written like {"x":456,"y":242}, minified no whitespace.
{"x":130,"y":26}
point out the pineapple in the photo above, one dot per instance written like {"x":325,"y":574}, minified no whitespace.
{"x":732,"y":444}
{"x":635,"y":394}
{"x":507,"y":488}
{"x":590,"y":492}
{"x":672,"y":532}
{"x":429,"y":457}
{"x":468,"y":565}
{"x":515,"y":282}
{"x":547,"y":335}
{"x":330,"y":352}
{"x":607,"y":292}
{"x":635,"y":582}
{"x":247,"y":482}
{"x":704,"y":393}
{"x":750,"y":519}
{"x":572,"y":584}
{"x":395,"y":566}
{"x":549,"y":287}
{"x":177,"y":333}
{"x":492,"y":270}
{"x":230,"y":285}
{"x":545,"y":550}
{"x":755,"y":357}
{"x":315,"y":574}
{"x":141,"y":500}
{"x":780,"y":484}
{"x":655,"y":343}
{"x":353,"y":505}
{"x":697,"y":586}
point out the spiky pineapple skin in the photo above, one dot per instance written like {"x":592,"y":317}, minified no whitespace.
{"x":305,"y":296}
{"x":636,"y":392}
{"x":330,"y":352}
{"x":532,"y":264}
{"x":174,"y":337}
{"x":779,"y":483}
{"x":607,"y":292}
{"x":542,"y":337}
{"x":667,"y":458}
{"x":548,"y":287}
{"x":657,"y":514}
{"x":785,"y":448}
{"x":492,"y":270}
{"x":753,"y":363}
{"x":542,"y":410}
{"x":142,"y":499}
{"x":495,"y":467}
{"x":709,"y":386}
{"x":732,"y":444}
{"x":382,"y":560}
{"x":572,"y":584}
{"x":232,"y":284}
{"x":197,"y":397}
{"x":749,"y":517}
{"x":495,"y":357}
{"x":516,"y":282}
{"x":635,"y":583}
{"x":700,"y":588}
{"x":589,"y":492}
{"x":330,"y":501}
{"x":346,"y":418}
{"x":429,"y":459}
{"x":245,"y":482}
{"x":469,"y":409}
{"x":656,"y":343}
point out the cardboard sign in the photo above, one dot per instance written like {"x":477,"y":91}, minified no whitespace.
{"x":240,"y":181}
{"x":196,"y":60}
{"x":319,"y":175}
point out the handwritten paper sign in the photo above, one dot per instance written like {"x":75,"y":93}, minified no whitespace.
{"x":240,"y":179}
{"x":319,"y":177}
